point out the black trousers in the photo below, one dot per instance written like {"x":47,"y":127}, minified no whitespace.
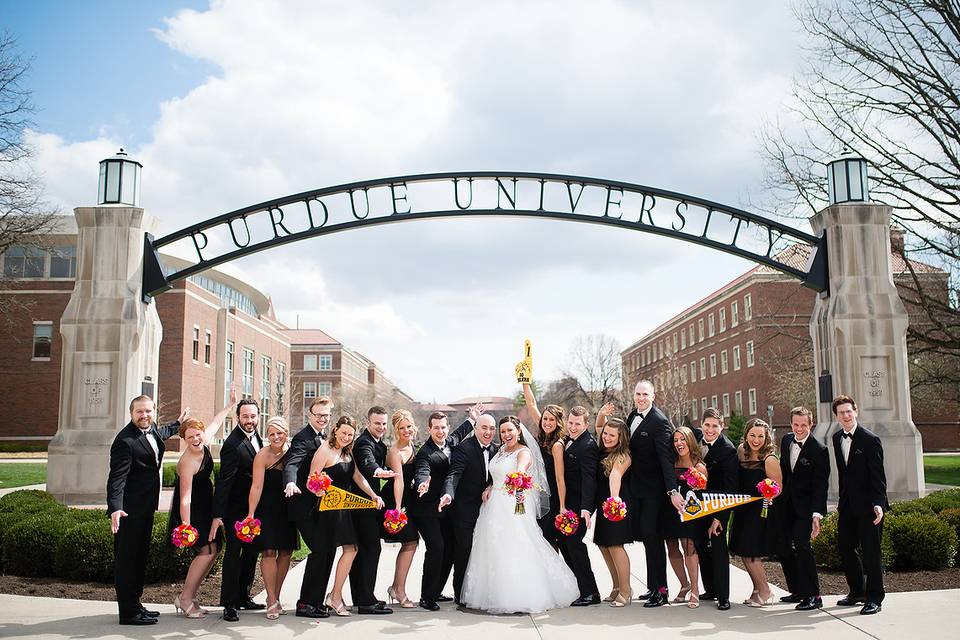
{"x":647,"y":529}
{"x":363,"y":573}
{"x":796,"y":555}
{"x":131,"y":545}
{"x":438,"y":538}
{"x":574,"y":553}
{"x":854,"y":530}
{"x":316,"y":575}
{"x":715,"y":562}
{"x":239,"y":566}
{"x":463,"y":543}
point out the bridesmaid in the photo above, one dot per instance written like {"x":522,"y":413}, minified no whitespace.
{"x":192,"y":504}
{"x":551,"y":436}
{"x":683,"y":535}
{"x":279,"y":535}
{"x":400,"y":461}
{"x":611,"y":536}
{"x":751,"y":536}
{"x":336,"y":526}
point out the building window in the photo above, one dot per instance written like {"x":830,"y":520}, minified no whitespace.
{"x":703,"y":405}
{"x":660,"y":350}
{"x":207,"y":347}
{"x":703,"y":368}
{"x":683,"y":339}
{"x":281,"y":386}
{"x":310,"y":362}
{"x":196,"y":344}
{"x":309,"y":390}
{"x":750,"y":360}
{"x":712,"y":325}
{"x":649,"y":357}
{"x":23,"y":262}
{"x":726,"y":405}
{"x":734,"y":314}
{"x":713,"y":402}
{"x":747,"y":307}
{"x":63,"y":262}
{"x":723,"y":361}
{"x":326,"y":388}
{"x":683,"y":375}
{"x":693,"y":409}
{"x":693,"y":372}
{"x":752,"y":399}
{"x":736,"y":358}
{"x":247,"y":373}
{"x":265,"y":391}
{"x":738,"y":402}
{"x":713,"y":365}
{"x":692,"y":337}
{"x":643,"y":358}
{"x":326,"y":363}
{"x":228,"y":372}
{"x":675,"y":343}
{"x":700,"y":329}
{"x":42,"y":340}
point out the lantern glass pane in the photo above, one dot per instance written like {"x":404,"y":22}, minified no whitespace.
{"x":102,"y":182}
{"x":113,"y":182}
{"x":127,"y":185}
{"x":840,"y":182}
{"x":856,"y":186}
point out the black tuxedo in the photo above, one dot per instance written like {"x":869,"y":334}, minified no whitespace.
{"x":723,"y":476}
{"x":133,"y":486}
{"x":230,"y":502}
{"x":804,"y":493}
{"x":465,"y":483}
{"x":580,"y":460}
{"x":863,"y":485}
{"x":650,"y":476}
{"x":302,"y":510}
{"x":436,"y":528}
{"x":370,"y":455}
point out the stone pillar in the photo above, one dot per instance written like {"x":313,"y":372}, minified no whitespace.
{"x":859,"y":338}
{"x":111,"y":350}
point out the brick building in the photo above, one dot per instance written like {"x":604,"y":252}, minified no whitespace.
{"x":747,"y":348}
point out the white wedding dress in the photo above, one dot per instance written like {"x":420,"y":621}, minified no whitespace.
{"x":512,"y":569}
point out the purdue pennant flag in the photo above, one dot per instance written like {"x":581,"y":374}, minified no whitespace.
{"x":710,"y":503}
{"x":337,"y":498}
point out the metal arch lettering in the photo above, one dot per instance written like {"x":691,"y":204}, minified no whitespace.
{"x":503,"y":194}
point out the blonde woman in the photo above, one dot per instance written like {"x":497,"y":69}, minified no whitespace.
{"x":682,"y":537}
{"x":608,"y":535}
{"x":400,"y":494}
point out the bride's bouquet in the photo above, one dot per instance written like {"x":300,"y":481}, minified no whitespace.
{"x":517,"y":484}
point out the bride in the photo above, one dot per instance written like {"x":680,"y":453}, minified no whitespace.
{"x":512,"y":568}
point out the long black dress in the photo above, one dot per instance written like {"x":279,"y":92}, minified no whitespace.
{"x":750,"y":535}
{"x":201,"y":503}
{"x":335,"y":527}
{"x":409,"y":533}
{"x":605,"y":532}
{"x":673,"y":528}
{"x":546,"y":523}
{"x":277,"y":531}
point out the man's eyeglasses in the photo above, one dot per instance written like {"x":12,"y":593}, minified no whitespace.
{"x":320,"y":416}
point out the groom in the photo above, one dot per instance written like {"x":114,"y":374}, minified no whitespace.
{"x":580,"y":459}
{"x":466,"y":481}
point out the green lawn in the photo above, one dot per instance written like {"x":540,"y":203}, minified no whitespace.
{"x":16,"y":474}
{"x":942,"y":469}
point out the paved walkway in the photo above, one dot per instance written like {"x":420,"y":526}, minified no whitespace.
{"x":905,"y":615}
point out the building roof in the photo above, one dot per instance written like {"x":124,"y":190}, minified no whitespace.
{"x":309,"y":336}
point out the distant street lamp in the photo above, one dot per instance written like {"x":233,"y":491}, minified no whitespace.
{"x":847,"y":179}
{"x":119,"y":180}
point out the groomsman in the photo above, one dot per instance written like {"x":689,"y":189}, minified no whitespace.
{"x":370,"y":453}
{"x":863,"y":499}
{"x":580,"y":459}
{"x":652,"y":481}
{"x":133,"y":494}
{"x":805,"y":467}
{"x":302,"y":508}
{"x":230,"y":501}
{"x":468,"y":478}
{"x":431,"y":465}
{"x":723,"y":470}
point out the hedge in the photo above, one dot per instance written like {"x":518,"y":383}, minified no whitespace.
{"x":28,"y":501}
{"x":85,"y":552}
{"x":34,"y":539}
{"x":170,"y":473}
{"x":943,"y":499}
{"x":826,"y":550}
{"x":910,"y":506}
{"x":921,"y":541}
{"x":952,"y":517}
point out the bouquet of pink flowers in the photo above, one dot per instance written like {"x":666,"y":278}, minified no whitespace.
{"x":184,"y":536}
{"x":694,"y":479}
{"x":566,"y":522}
{"x":247,"y":529}
{"x":516,"y":484}
{"x":318,"y":483}
{"x":614,"y":509}
{"x":769,"y":489}
{"x":394,"y":520}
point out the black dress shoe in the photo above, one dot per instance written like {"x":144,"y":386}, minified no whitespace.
{"x":807,"y":604}
{"x":723,"y":604}
{"x":309,"y":611}
{"x":646,"y":596}
{"x":147,"y":612}
{"x":707,"y":595}
{"x":382,"y":603}
{"x":250,"y":605}
{"x":870,"y":608}
{"x":374,"y":609}
{"x":791,"y":599}
{"x":139,"y":619}
{"x":443,"y":598}
{"x":851,"y":600}
{"x":656,"y":600}
{"x":230,"y":614}
{"x":586,"y":601}
{"x":429,"y":605}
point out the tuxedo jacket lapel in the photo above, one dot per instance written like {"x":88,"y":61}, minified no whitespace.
{"x":145,"y":445}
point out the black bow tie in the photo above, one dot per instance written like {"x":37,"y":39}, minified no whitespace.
{"x":846,"y":435}
{"x":707,"y":444}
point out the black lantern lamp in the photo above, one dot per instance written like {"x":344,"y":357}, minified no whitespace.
{"x":119,"y":180}
{"x":847,"y":179}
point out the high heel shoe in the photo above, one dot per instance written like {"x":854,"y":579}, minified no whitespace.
{"x":193,"y":611}
{"x":177,"y":608}
{"x":202,"y":610}
{"x":613,"y":595}
{"x":340,"y":610}
{"x":405,"y":602}
{"x":694,"y":601}
{"x":273,"y":611}
{"x":622,"y":599}
{"x":754,"y":597}
{"x":682,"y":596}
{"x":761,"y":602}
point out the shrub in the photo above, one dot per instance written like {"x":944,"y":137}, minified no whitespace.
{"x":734,"y":427}
{"x":39,"y":533}
{"x":28,"y":501}
{"x":85,"y":552}
{"x":827,"y":551}
{"x":165,"y":564}
{"x":921,"y":541}
{"x":910,"y":506}
{"x":170,"y":473}
{"x":940,"y":500}
{"x":952,"y":517}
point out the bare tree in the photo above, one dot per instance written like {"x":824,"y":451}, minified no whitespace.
{"x":671,"y":394}
{"x":883,"y":80}
{"x":596,"y":369}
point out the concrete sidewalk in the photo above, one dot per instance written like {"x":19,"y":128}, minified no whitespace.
{"x":921,"y":614}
